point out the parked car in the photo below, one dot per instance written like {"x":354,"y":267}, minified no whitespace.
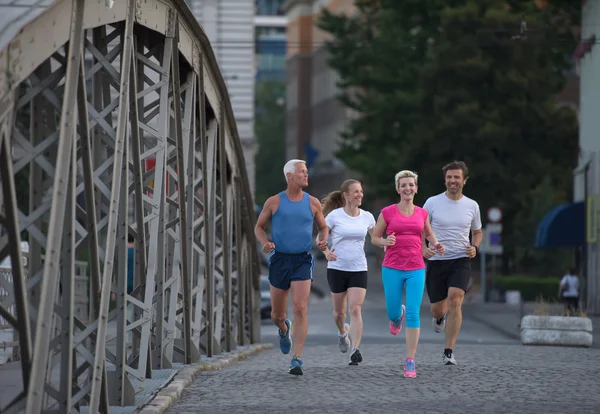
{"x":265,"y":297}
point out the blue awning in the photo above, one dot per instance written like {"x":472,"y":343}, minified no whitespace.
{"x":563,"y":226}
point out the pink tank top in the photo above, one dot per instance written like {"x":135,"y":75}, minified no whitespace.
{"x":407,"y":253}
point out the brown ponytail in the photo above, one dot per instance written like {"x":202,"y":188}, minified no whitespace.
{"x":336,"y":199}
{"x":333,"y":200}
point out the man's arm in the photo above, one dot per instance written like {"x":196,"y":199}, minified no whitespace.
{"x":321,"y":223}
{"x":263,"y":220}
{"x":473,"y":249}
{"x":561,"y":285}
{"x":476,"y":237}
{"x":476,"y":234}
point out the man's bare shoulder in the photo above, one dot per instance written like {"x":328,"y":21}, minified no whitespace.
{"x":315,"y":203}
{"x":314,"y":200}
{"x":272,"y":203}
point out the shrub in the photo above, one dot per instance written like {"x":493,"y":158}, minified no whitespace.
{"x":531,"y":287}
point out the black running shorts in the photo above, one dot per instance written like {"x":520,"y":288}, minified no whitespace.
{"x":444,"y":274}
{"x":341,"y":280}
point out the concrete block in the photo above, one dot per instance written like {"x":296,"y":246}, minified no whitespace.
{"x":556,"y":331}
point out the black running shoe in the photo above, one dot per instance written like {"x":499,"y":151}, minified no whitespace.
{"x":355,"y":358}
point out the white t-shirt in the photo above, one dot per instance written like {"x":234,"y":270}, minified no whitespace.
{"x":572,"y":282}
{"x":452,"y":221}
{"x":347,"y":235}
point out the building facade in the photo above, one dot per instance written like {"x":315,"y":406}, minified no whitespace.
{"x":229,"y":25}
{"x":314,"y":116}
{"x":587,"y":174}
{"x":271,"y":39}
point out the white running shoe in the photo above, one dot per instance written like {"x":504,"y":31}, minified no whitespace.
{"x":448,"y":359}
{"x":439,"y":324}
{"x":344,"y":340}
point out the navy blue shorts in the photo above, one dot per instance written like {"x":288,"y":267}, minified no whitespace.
{"x":284,"y":268}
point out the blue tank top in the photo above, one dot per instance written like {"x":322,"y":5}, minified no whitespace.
{"x":292,"y":225}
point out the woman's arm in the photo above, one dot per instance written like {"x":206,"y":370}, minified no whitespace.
{"x":432,"y":239}
{"x":377,"y":233}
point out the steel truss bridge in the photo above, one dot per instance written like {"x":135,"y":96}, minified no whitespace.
{"x":115,"y":121}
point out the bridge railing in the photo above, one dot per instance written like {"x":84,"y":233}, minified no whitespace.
{"x":115,"y":123}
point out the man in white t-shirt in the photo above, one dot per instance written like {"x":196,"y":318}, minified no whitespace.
{"x":569,"y":291}
{"x":453,"y":216}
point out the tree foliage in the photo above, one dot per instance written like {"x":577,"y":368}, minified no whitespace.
{"x":473,"y":80}
{"x":270,"y":134}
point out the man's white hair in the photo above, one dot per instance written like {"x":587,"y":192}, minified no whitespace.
{"x":405,"y":174}
{"x":290,"y":167}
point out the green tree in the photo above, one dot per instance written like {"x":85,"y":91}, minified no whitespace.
{"x":270,"y":134}
{"x":462,"y":79}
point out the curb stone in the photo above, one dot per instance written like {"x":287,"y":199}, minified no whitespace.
{"x":166,"y":396}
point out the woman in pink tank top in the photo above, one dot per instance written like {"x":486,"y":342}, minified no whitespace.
{"x":405,"y":225}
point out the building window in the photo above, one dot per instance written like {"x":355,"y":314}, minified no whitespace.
{"x":271,"y":50}
{"x":269,"y":7}
{"x":271,"y":33}
{"x":271,"y":62}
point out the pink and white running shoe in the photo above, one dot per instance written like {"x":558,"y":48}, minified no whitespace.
{"x":396,"y":327}
{"x":409,"y":368}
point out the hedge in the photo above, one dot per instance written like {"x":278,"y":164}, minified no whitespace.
{"x":531,"y":287}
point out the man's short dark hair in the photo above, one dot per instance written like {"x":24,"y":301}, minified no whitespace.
{"x":130,"y":238}
{"x":456,"y":165}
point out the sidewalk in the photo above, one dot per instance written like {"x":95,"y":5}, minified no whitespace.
{"x":506,"y":318}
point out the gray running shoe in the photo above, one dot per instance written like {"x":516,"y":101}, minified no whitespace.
{"x":448,"y":359}
{"x":344,"y":340}
{"x":439,"y":324}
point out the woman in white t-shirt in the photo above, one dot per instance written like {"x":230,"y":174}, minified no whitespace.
{"x":346,"y":262}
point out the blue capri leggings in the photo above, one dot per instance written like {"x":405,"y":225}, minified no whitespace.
{"x":393,"y":285}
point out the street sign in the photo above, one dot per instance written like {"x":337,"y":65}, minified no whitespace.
{"x":494,"y":215}
{"x":492,"y":239}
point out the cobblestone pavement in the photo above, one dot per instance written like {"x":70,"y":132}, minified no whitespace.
{"x":322,"y":331}
{"x":488,"y":379}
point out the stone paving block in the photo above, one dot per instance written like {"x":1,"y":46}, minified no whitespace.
{"x":158,"y":405}
{"x":183,"y":378}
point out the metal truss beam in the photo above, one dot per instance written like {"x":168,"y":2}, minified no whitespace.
{"x":119,"y":120}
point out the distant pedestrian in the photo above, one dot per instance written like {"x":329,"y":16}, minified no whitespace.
{"x":569,"y":291}
{"x":405,"y":225}
{"x":453,"y":216}
{"x":347,"y":263}
{"x":292,"y":213}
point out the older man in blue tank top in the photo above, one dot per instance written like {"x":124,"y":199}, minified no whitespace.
{"x":292,"y":213}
